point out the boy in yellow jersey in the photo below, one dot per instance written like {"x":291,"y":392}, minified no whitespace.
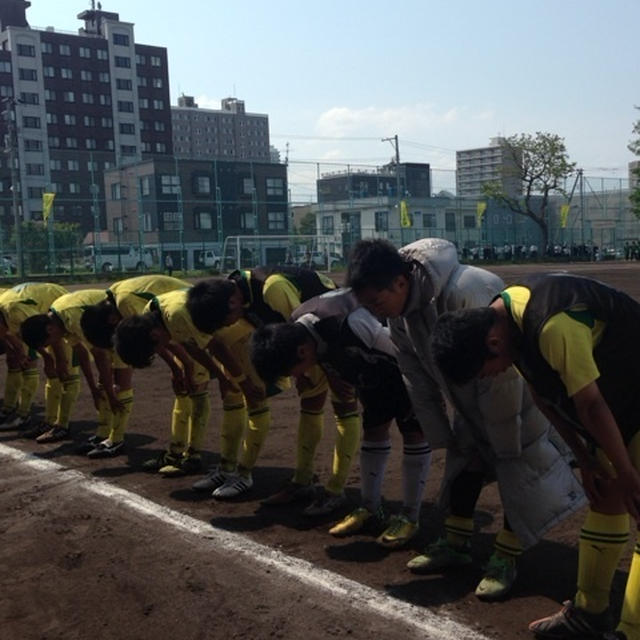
{"x":59,"y":330}
{"x":166,"y":324}
{"x":16,"y":305}
{"x":234,"y":307}
{"x":123,"y":299}
{"x":575,"y":341}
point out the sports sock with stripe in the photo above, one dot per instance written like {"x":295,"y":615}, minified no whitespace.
{"x":416,"y":461}
{"x":458,"y":530}
{"x":373,"y":463}
{"x":507,"y":545}
{"x":121,"y":418}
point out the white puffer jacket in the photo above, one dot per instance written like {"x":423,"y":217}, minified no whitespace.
{"x":493,"y":417}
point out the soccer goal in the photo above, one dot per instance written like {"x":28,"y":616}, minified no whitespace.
{"x":245,"y":252}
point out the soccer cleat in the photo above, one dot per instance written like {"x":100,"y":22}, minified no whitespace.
{"x":55,"y":434}
{"x":325,"y":504}
{"x":440,"y":555}
{"x":165,"y":459}
{"x":499,"y":577}
{"x":614,"y":635}
{"x":236,"y":485}
{"x":290,"y":493}
{"x":106,"y":449}
{"x":214,"y":479}
{"x":398,"y":533}
{"x":88,"y":445}
{"x":572,"y":622}
{"x":188,"y":463}
{"x":15,"y":421}
{"x":5,"y":417}
{"x":356,"y":521}
{"x":36,"y":430}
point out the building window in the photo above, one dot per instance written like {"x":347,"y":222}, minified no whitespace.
{"x":158,"y":126}
{"x":87,"y":98}
{"x":89,"y":121}
{"x":121,"y":39}
{"x":157,"y":83}
{"x":156,"y":61}
{"x":276,"y":220}
{"x":158,"y":104}
{"x":143,"y":103}
{"x":328,"y":225}
{"x":142,"y":81}
{"x":6,"y":91}
{"x":247,"y":186}
{"x":145,"y":189}
{"x":71,"y":143}
{"x":52,"y":118}
{"x":49,"y":94}
{"x":74,"y":187}
{"x":202,"y":220}
{"x":56,"y":187}
{"x":275,"y":187}
{"x":69,"y":96}
{"x":429,"y":220}
{"x":90,"y":143}
{"x":170,"y":184}
{"x":171,"y":220}
{"x":102,"y":54}
{"x":116,"y":191}
{"x":141,"y":59}
{"x":109,"y":145}
{"x":35,"y":192}
{"x":49,"y":72}
{"x":382,"y":221}
{"x":123,"y":62}
{"x":248,"y":221}
{"x":29,"y":98}
{"x":35,"y":169}
{"x":92,"y":165}
{"x":86,"y":75}
{"x":32,"y":145}
{"x":30,"y":122}
{"x":105,"y":99}
{"x":55,"y":165}
{"x":64,"y":49}
{"x":128,"y":149}
{"x":27,"y":50}
{"x":46,"y":47}
{"x":469,"y":222}
{"x":161,"y":147}
{"x":202,"y":185}
{"x":103,"y":76}
{"x":125,"y":106}
{"x":145,"y":147}
{"x":124,"y":84}
{"x":28,"y":74}
{"x":5,"y":66}
{"x":73,"y":165}
{"x":70,"y":119}
{"x":449,"y":221}
{"x":127,"y":127}
{"x":66,"y":73}
{"x":84,"y":52}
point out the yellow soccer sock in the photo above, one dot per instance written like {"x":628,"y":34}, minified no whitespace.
{"x":602,"y":541}
{"x":52,"y":397}
{"x":180,"y":423}
{"x":200,"y":410}
{"x":121,"y":418}
{"x":345,"y":450}
{"x":259,"y":423}
{"x":309,"y":434}
{"x":70,"y":391}
{"x":12,"y":387}
{"x":105,"y":419}
{"x":630,"y":616}
{"x":30,"y":382}
{"x":507,"y":545}
{"x":458,"y":531}
{"x":234,"y":423}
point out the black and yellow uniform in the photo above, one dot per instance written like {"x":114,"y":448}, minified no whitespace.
{"x":571,"y":332}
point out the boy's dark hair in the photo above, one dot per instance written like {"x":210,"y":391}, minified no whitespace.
{"x":96,"y":326}
{"x":34,"y":330}
{"x":133,"y":340}
{"x":274,"y":349}
{"x":375,"y":263}
{"x":459,"y":342}
{"x":208,"y":303}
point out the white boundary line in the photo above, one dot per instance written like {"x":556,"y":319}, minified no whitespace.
{"x":355,"y":594}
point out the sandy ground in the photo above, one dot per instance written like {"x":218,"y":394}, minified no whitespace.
{"x":79,"y":561}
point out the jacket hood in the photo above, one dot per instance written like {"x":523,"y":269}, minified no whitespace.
{"x":438,"y":257}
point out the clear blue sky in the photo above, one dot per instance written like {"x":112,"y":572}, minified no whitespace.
{"x":443,"y":75}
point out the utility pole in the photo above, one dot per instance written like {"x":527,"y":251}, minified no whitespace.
{"x":396,"y":146}
{"x":11,"y":141}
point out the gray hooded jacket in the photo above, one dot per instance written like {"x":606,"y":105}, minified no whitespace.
{"x":492,"y":417}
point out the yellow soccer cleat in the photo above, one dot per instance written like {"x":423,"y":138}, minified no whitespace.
{"x":398,"y":533}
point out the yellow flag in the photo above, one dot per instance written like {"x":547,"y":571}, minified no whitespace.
{"x":47,"y":205}
{"x":481,"y":207}
{"x":405,"y":218}
{"x":564,"y":215}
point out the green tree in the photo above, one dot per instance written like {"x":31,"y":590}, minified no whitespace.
{"x":35,"y":243}
{"x":541,"y":164}
{"x":634,"y":147}
{"x":307,"y":225}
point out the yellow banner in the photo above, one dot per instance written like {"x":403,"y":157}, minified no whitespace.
{"x":564,"y":215}
{"x":47,"y":205}
{"x":481,"y":207}
{"x":405,"y":218}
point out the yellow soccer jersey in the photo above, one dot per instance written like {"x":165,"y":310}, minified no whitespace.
{"x":177,"y":320}
{"x":132,"y":295}
{"x":567,"y":340}
{"x":283,"y":296}
{"x":69,"y":309}
{"x":26,"y":300}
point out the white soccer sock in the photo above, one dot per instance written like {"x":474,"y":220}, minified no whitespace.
{"x":416,"y":461}
{"x":373,"y":461}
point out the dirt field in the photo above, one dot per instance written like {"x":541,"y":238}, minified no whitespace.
{"x":77,"y":563}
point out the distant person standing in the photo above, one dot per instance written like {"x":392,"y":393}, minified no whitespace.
{"x":168,"y":263}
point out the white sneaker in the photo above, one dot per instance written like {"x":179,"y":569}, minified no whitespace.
{"x":234,"y":486}
{"x":214,"y":479}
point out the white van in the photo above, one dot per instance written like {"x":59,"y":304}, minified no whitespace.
{"x":110,"y":257}
{"x":208,"y":259}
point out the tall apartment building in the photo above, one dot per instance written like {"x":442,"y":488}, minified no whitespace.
{"x":474,"y":167}
{"x":228,"y":133}
{"x":77,"y":104}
